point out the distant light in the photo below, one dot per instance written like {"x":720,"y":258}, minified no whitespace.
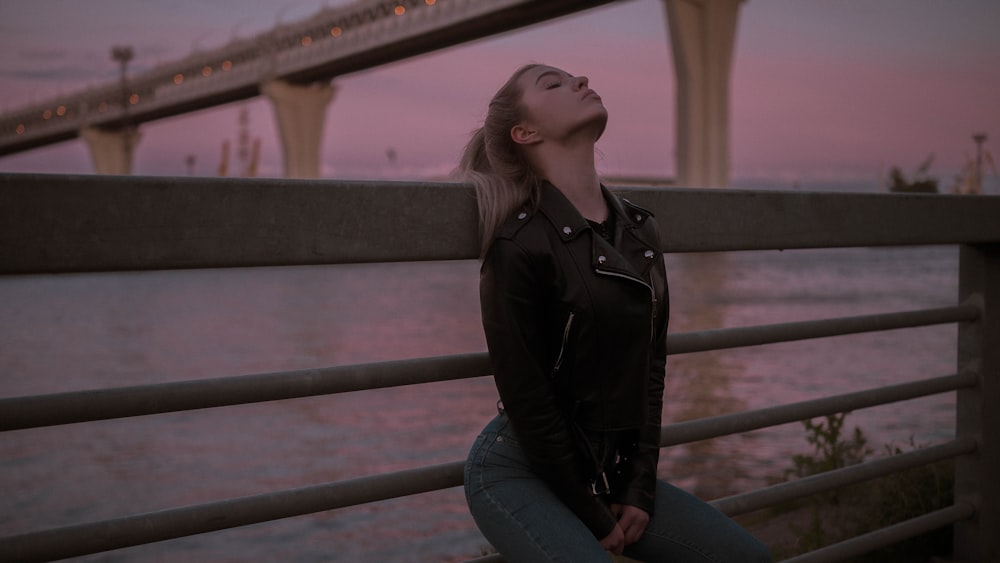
{"x":47,"y":114}
{"x":61,"y":111}
{"x":430,"y":2}
{"x":400,"y":10}
{"x":178,"y":78}
{"x":226,"y":65}
{"x":20,"y":129}
{"x":336,"y":31}
{"x":133,"y":99}
{"x":306,"y":41}
{"x":206,"y":71}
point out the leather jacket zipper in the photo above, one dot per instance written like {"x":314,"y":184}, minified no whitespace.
{"x":565,"y":341}
{"x":652,"y":296}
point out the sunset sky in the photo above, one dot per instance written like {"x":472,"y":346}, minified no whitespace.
{"x":822,"y":91}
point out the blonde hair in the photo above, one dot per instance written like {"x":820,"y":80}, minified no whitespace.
{"x":494,"y":164}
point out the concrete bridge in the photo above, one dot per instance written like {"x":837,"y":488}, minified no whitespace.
{"x":293,"y":65}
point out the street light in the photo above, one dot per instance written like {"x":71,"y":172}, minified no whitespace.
{"x":979,"y":139}
{"x":124,"y":54}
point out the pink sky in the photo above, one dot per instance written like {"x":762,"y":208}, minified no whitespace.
{"x":821,"y":91}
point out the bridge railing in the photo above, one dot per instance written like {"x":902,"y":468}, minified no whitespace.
{"x":89,"y":223}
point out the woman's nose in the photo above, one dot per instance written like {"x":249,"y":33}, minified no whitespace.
{"x":582,"y":82}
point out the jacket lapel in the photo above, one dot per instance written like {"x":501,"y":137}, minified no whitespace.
{"x":632,"y":254}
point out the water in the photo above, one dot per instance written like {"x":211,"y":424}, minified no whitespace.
{"x":74,"y":332}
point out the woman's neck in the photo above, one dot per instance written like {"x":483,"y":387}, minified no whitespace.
{"x":572,"y":171}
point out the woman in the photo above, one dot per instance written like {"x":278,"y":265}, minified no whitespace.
{"x":574,"y":303}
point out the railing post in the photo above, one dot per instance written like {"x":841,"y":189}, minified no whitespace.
{"x":978,"y":417}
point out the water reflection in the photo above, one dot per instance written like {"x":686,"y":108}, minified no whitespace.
{"x":700,"y":385}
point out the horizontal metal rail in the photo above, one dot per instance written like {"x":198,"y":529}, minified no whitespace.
{"x":102,"y":404}
{"x":83,"y":539}
{"x":54,"y":223}
{"x":140,"y":529}
{"x":719,"y":339}
{"x":887,"y":536}
{"x":734,"y":423}
{"x":814,"y":484}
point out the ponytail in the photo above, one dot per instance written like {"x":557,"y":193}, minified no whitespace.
{"x":503,"y":179}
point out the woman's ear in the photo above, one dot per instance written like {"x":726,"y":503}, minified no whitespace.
{"x":523,"y":135}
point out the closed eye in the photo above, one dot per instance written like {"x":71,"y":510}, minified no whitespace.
{"x":553,"y":79}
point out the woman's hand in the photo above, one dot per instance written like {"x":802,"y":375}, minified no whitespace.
{"x":615,"y":541}
{"x":632,"y":520}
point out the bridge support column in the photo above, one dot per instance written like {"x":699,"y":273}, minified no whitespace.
{"x":111,"y":151}
{"x":702,"y":37}
{"x":300,"y":112}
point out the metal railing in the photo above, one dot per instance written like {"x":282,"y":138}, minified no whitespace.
{"x":49,"y":223}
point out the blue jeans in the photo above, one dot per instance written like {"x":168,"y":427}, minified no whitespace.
{"x":527,"y":523}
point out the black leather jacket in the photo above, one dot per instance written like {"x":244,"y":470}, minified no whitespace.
{"x":576,"y":330}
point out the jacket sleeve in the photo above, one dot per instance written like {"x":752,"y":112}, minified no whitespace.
{"x":638,"y":469}
{"x":512,"y":298}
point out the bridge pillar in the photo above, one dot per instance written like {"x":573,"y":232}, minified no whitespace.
{"x":300,"y":112}
{"x":702,"y":37}
{"x":111,"y":151}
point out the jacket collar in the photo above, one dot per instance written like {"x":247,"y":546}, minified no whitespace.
{"x":565,"y":219}
{"x":629,"y":256}
{"x":569,"y":223}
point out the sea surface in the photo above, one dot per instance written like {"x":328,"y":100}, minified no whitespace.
{"x":73,"y":332}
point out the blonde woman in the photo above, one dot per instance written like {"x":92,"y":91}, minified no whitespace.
{"x":574,"y":304}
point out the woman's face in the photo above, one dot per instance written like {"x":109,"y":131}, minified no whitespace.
{"x":558,"y":105}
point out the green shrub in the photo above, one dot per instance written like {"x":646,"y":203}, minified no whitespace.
{"x":850,"y":511}
{"x":830,"y":451}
